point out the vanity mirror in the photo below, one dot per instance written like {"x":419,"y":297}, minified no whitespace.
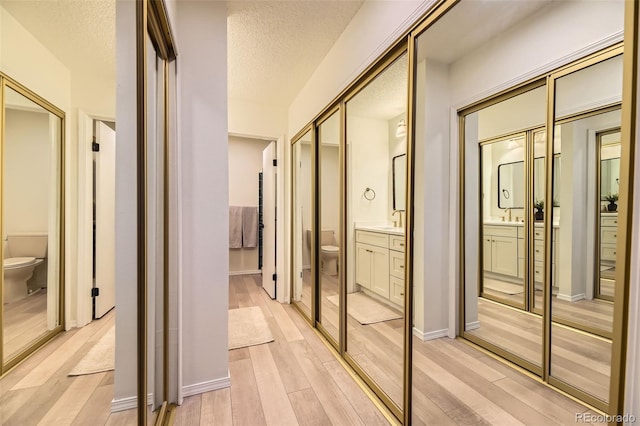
{"x":511,"y":182}
{"x":399,"y":172}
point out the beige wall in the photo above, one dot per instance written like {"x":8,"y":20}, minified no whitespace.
{"x":245,"y":162}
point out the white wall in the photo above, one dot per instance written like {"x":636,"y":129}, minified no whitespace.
{"x":245,"y":162}
{"x":431,"y":212}
{"x":201,"y":29}
{"x":125,"y":219}
{"x":330,"y":189}
{"x":27,"y":171}
{"x":375,"y":26}
{"x":503,"y":61}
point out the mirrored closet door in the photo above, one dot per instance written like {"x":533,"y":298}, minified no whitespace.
{"x":586,"y":122}
{"x":376,"y":132}
{"x":329,"y":225}
{"x":32,"y":222}
{"x":303,"y":219}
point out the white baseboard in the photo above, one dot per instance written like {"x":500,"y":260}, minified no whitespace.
{"x":257,"y":271}
{"x":430,"y":335}
{"x":473,"y":325}
{"x":68,"y":325}
{"x":128,"y":403}
{"x":568,"y":298}
{"x":209,"y":386}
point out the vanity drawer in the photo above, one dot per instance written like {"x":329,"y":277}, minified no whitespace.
{"x":396,"y":264}
{"x":538,"y":271}
{"x":520,"y":231}
{"x":609,"y":235}
{"x":608,"y":252}
{"x":538,"y":249}
{"x":396,"y":242}
{"x":538,"y":233}
{"x":501,"y":231}
{"x":397,"y":291}
{"x":373,"y":238}
{"x":609,"y":221}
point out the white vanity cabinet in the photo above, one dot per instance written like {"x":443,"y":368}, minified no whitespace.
{"x":380,"y":264}
{"x":372,"y":262}
{"x":501,"y":250}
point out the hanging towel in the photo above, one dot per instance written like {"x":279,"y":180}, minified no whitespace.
{"x":235,"y":227}
{"x":249,"y":227}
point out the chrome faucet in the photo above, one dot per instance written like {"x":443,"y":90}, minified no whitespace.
{"x":507,"y":211}
{"x":397,"y":224}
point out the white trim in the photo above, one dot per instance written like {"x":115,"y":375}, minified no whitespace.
{"x":208,"y":386}
{"x":454,"y":258}
{"x":430,"y":335}
{"x":129,"y":403}
{"x":257,"y":271}
{"x":473,"y":325}
{"x":569,"y":298}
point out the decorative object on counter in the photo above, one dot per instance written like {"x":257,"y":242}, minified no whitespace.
{"x":612,"y":198}
{"x":369,"y":194}
{"x":539,"y":206}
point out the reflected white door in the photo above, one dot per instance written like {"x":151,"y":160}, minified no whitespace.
{"x":269,"y":220}
{"x":105,"y":219}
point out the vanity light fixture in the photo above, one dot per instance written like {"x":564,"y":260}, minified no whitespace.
{"x":402,"y":129}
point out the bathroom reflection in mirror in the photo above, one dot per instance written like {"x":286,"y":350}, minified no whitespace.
{"x":302,"y":158}
{"x":608,"y":146}
{"x":375,"y":239}
{"x":586,"y":107}
{"x":31,"y":222}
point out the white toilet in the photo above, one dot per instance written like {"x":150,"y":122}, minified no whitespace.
{"x":329,"y":253}
{"x":27,"y":251}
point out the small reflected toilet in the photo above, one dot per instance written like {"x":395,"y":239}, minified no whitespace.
{"x":27,"y":251}
{"x":329,"y":253}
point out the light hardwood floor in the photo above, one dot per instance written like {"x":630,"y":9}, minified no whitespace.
{"x":24,"y":321}
{"x":293,"y":380}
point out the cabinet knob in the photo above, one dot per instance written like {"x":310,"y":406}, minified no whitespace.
{"x":401,"y":294}
{"x":401,"y":266}
{"x":401,"y":244}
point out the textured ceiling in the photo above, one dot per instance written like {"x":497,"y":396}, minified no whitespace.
{"x":274,"y":46}
{"x":386,"y":96}
{"x":80,"y":33}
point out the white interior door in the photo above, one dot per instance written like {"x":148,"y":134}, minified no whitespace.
{"x":269,"y":220}
{"x":105,"y":219}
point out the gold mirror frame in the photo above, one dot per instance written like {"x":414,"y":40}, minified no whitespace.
{"x":151,"y":20}
{"x":8,"y":82}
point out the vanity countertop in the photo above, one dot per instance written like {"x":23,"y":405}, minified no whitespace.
{"x":384,"y":229}
{"x":493,"y":222}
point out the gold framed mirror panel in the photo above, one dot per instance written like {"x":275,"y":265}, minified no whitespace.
{"x":28,"y":122}
{"x":304,"y":220}
{"x":610,"y":399}
{"x":152,"y":23}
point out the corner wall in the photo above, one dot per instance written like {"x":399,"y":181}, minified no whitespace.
{"x":201,"y":29}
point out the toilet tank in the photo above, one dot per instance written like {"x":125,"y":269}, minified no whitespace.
{"x":27,"y":245}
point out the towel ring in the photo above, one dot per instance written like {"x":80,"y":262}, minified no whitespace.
{"x":369,"y":194}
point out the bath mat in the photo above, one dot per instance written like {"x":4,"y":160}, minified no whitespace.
{"x":100,"y":357}
{"x":365,"y":309}
{"x":502,"y":286}
{"x":248,"y":327}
